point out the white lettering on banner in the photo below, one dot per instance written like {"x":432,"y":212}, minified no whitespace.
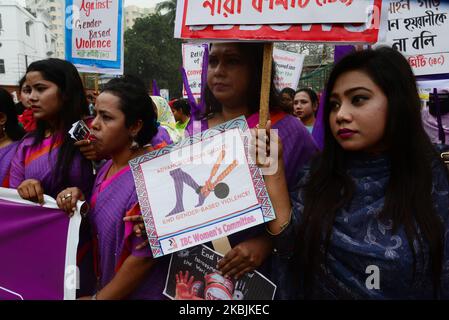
{"x":365,"y":32}
{"x":219,"y":12}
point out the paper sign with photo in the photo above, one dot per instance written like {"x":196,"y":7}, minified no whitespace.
{"x":192,"y":275}
{"x":80,"y":131}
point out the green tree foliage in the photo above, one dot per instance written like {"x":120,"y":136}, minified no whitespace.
{"x":168,"y":8}
{"x":151,"y":52}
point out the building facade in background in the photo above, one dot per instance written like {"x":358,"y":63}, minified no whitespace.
{"x":55,"y":9}
{"x":24,"y":38}
{"x":134,"y":12}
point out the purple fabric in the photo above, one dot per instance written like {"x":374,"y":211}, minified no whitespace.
{"x":299,"y":147}
{"x":197,"y":109}
{"x":42,"y":169}
{"x":341,"y":51}
{"x":117,"y":197}
{"x":195,"y":127}
{"x":193,"y":106}
{"x":156,"y":91}
{"x":318,"y":128}
{"x":33,"y":247}
{"x":204,"y":67}
{"x":6,"y":155}
{"x":161,"y":136}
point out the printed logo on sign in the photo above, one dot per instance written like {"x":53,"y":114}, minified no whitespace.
{"x":172,"y":243}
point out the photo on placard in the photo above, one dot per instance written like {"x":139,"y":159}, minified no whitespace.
{"x":193,"y":275}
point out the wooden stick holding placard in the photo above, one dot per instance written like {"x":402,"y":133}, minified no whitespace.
{"x":266,"y":84}
{"x":222,"y":245}
{"x":96,"y":84}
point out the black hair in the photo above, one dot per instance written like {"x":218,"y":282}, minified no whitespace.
{"x":408,"y":195}
{"x":12,"y":127}
{"x":291,"y":92}
{"x":136,"y":104}
{"x":183,"y":105}
{"x":253,"y":52}
{"x":312,"y":95}
{"x":20,"y":108}
{"x":22,"y":82}
{"x":74,"y":107}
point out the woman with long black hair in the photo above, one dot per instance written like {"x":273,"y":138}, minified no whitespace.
{"x":371,"y":217}
{"x":46,"y":159}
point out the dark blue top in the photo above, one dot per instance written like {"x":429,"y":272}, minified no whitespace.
{"x":361,"y":243}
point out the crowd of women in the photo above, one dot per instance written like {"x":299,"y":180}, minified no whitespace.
{"x":377,"y":194}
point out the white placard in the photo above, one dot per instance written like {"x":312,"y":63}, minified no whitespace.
{"x":192,"y":60}
{"x":94,"y":35}
{"x":288,"y":68}
{"x":210,"y":12}
{"x":200,"y":189}
{"x":420,"y":29}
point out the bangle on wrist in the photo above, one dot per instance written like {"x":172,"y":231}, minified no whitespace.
{"x":282,"y":226}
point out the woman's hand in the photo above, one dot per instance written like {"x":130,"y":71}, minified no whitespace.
{"x":139,"y":229}
{"x":31,"y":190}
{"x":266,"y":149}
{"x":87,"y":148}
{"x":68,"y":198}
{"x":245,"y":257}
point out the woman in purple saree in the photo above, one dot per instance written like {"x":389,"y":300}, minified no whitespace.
{"x":125,"y":122}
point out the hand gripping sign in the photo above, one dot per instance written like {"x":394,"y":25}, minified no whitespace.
{"x":200,"y":189}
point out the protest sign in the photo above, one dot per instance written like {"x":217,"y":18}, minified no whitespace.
{"x":193,"y":275}
{"x":367,"y":32}
{"x":200,"y":189}
{"x":94,"y":35}
{"x":288,"y":68}
{"x":419,"y":30}
{"x":192,"y":61}
{"x":210,"y":12}
{"x":38,"y":247}
{"x":165,"y":93}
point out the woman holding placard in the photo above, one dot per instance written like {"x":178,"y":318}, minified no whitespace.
{"x":47,"y":160}
{"x":125,"y":122}
{"x":370,"y":219}
{"x":233,"y":89}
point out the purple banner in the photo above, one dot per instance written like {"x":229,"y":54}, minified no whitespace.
{"x":38,"y":249}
